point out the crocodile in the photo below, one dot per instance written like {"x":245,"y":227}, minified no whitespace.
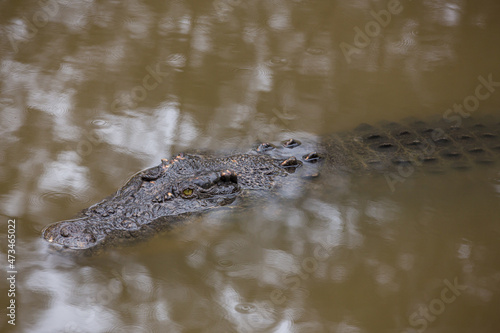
{"x":158,"y":198}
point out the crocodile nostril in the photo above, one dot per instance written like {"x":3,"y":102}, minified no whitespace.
{"x":64,"y":232}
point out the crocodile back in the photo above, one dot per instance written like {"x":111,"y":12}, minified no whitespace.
{"x":432,"y":146}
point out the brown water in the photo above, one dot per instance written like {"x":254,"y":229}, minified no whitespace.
{"x":92,"y":92}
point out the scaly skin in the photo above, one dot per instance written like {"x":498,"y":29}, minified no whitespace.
{"x":432,"y":147}
{"x":186,"y":184}
{"x":158,"y":197}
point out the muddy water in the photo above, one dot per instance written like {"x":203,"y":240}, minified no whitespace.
{"x":92,"y":92}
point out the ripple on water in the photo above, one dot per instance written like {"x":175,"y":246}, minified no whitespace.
{"x":177,"y":60}
{"x":277,"y":61}
{"x":315,"y":51}
{"x":245,"y":308}
{"x":54,"y":196}
{"x":42,"y":200}
{"x":225,"y":264}
{"x":258,"y":316}
{"x":100,"y":123}
{"x":131,"y":328}
{"x":138,"y":282}
{"x":224,"y":254}
{"x":264,"y":72}
{"x":405,"y":43}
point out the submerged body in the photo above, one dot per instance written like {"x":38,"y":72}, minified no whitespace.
{"x":157,"y":198}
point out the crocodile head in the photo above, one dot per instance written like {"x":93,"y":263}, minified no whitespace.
{"x":151,"y":200}
{"x":161,"y":197}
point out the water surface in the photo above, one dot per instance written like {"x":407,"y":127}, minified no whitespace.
{"x":92,"y":92}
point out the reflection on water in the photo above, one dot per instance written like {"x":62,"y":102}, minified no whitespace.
{"x":368,"y":260}
{"x":92,"y":92}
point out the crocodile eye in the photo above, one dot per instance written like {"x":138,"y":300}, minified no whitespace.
{"x":187,"y":192}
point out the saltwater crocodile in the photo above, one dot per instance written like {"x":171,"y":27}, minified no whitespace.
{"x":158,"y":197}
